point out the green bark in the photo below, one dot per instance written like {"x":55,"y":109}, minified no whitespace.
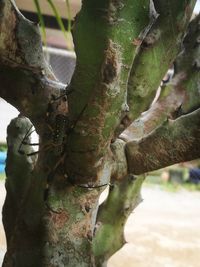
{"x":157,"y":53}
{"x":70,"y":219}
{"x":179,"y":137}
{"x":103,"y":35}
{"x":167,"y":106}
{"x":188,"y":64}
{"x":124,"y":196}
{"x":180,"y":96}
{"x":173,"y":142}
{"x":56,"y":221}
{"x":22,"y":211}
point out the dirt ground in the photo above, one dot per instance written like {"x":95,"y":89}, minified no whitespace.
{"x":164,"y":231}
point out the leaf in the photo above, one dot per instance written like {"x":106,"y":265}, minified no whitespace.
{"x":58,"y":17}
{"x":41,"y":19}
{"x":69,"y":16}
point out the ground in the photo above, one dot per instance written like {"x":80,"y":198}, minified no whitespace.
{"x":164,"y":231}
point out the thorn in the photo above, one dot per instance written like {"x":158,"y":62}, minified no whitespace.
{"x":87,"y":207}
{"x":137,"y":41}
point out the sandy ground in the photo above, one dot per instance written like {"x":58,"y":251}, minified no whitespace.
{"x":164,"y":231}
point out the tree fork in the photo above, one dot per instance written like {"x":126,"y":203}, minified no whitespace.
{"x":179,"y":96}
{"x":100,"y":79}
{"x":156,"y":53}
{"x":61,"y":213}
{"x":173,"y":142}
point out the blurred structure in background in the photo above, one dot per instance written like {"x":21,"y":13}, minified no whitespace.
{"x":59,"y":46}
{"x":62,"y":63}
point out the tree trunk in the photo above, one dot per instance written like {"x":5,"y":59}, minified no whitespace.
{"x":58,"y":226}
{"x":51,"y":214}
{"x":24,"y":206}
{"x":70,"y":220}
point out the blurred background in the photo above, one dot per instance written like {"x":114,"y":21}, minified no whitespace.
{"x":164,"y":231}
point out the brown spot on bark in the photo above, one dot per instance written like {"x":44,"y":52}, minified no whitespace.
{"x":111,"y":65}
{"x":111,"y":13}
{"x":82,"y":228}
{"x":126,"y":121}
{"x":59,"y":219}
{"x":151,"y":38}
{"x":137,"y":42}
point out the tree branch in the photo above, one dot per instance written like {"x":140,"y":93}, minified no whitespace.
{"x":24,"y":90}
{"x":180,"y":96}
{"x":100,"y":78}
{"x":25,"y":77}
{"x":173,"y":142}
{"x":123,"y":197}
{"x":187,"y":64}
{"x":157,"y":52}
{"x":23,"y":207}
{"x":168,"y":103}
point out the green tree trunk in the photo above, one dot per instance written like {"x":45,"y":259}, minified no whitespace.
{"x":52,"y":216}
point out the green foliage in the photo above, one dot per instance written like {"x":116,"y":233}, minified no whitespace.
{"x":153,"y":179}
{"x":57,"y":16}
{"x":3,"y":147}
{"x":41,"y":19}
{"x":2,"y":176}
{"x":69,"y":16}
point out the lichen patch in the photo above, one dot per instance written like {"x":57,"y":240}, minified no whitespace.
{"x":59,"y":219}
{"x":8,"y":23}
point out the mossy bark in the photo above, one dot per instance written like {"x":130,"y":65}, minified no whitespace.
{"x":100,"y":78}
{"x":70,"y":219}
{"x":123,"y":197}
{"x":23,"y":207}
{"x":157,"y":53}
{"x":177,"y":135}
{"x":51,"y":214}
{"x":180,"y":95}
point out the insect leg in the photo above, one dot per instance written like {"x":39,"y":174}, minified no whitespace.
{"x":68,"y":91}
{"x":28,"y":133}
